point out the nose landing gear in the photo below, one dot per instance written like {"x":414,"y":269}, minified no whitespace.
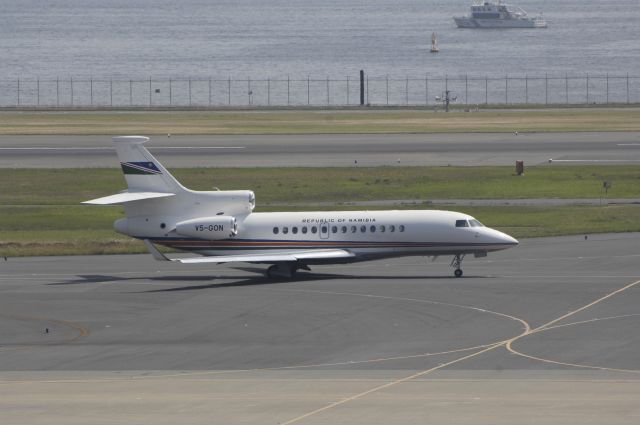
{"x":457,"y":263}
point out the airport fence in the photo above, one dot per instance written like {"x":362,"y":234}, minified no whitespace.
{"x":424,"y":90}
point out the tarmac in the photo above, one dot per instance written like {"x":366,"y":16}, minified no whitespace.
{"x":331,"y":150}
{"x":544,"y":333}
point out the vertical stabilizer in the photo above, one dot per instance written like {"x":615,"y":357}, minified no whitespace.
{"x":141,"y":170}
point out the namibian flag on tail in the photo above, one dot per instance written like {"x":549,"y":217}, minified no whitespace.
{"x":142,"y":171}
{"x":142,"y":167}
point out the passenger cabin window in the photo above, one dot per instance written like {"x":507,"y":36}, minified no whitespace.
{"x":401,"y":228}
{"x":275,"y":230}
{"x":382,"y":228}
{"x":354,"y":229}
{"x":392,"y":228}
{"x":294,"y":230}
{"x":344,"y":229}
{"x":372,"y":229}
{"x":285,"y":230}
{"x":462,"y":223}
{"x":363,"y":229}
{"x":314,"y":229}
{"x":304,"y":230}
{"x":334,"y":229}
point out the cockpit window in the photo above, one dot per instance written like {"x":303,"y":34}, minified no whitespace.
{"x":475,"y":223}
{"x":462,"y":223}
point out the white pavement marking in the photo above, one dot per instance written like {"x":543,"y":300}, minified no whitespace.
{"x":103,"y":148}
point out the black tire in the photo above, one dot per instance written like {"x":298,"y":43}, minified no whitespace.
{"x":458,"y":273}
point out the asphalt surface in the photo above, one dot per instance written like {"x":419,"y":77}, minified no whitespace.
{"x":331,"y":150}
{"x":545,"y":333}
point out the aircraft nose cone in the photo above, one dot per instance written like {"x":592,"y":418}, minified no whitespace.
{"x":510,"y":240}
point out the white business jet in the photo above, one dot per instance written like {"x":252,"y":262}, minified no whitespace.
{"x":222,"y":227}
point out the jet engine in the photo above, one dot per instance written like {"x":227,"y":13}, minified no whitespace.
{"x":212,"y":228}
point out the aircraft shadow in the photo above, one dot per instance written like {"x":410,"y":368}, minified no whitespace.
{"x":212,"y":282}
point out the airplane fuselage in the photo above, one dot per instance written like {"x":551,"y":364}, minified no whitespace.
{"x":367,"y":234}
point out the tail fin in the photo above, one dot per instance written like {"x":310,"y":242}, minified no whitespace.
{"x":142,"y":171}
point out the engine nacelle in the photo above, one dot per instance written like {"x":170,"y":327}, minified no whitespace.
{"x":212,"y":228}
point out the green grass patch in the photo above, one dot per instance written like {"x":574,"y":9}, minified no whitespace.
{"x":336,"y":185}
{"x":41,"y":212}
{"x":317,"y":121}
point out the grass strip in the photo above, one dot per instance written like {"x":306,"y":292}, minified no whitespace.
{"x":336,"y":185}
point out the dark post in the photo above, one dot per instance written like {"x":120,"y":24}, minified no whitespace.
{"x":361,"y":87}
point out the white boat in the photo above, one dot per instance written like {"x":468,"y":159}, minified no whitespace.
{"x":485,"y":14}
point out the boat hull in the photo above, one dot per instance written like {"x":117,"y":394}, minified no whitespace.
{"x":467,"y":22}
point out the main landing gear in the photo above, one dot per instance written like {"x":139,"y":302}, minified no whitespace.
{"x":285,"y":270}
{"x":457,"y":263}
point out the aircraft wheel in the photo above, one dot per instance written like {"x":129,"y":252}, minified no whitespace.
{"x":458,"y":273}
{"x":281,"y":271}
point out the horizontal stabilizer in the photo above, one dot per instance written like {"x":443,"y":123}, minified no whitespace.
{"x":124,"y":197}
{"x":319,"y":254}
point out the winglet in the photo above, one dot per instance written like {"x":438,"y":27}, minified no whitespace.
{"x":154,"y":251}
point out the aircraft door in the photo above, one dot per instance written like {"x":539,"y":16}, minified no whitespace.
{"x":324,"y":231}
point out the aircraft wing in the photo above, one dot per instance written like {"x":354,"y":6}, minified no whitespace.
{"x":307,"y":254}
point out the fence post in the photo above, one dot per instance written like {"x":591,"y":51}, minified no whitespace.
{"x":71,"y":80}
{"x":587,"y":88}
{"x":486,"y":89}
{"x":426,"y":90}
{"x":506,"y":89}
{"x":466,"y":89}
{"x":347,"y":90}
{"x":18,"y":91}
{"x":130,"y":92}
{"x":57,"y":91}
{"x":546,"y":89}
{"x":406,"y":91}
{"x":328,"y":100}
{"x":367,"y":81}
{"x":249,"y":92}
{"x":111,"y":92}
{"x":387,"y":89}
{"x":627,"y":87}
{"x":38,"y":91}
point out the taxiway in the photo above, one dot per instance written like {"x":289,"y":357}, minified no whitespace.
{"x":545,"y":333}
